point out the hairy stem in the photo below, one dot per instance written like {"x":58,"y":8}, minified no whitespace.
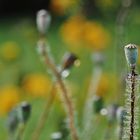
{"x":67,"y":100}
{"x":121,"y":130}
{"x":132,"y":106}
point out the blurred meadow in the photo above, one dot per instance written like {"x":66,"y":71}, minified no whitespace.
{"x":96,"y":31}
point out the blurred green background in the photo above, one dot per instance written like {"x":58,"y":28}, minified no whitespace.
{"x":83,"y":27}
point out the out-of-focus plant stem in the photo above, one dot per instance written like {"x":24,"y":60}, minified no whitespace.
{"x":45,"y":114}
{"x":131,"y":122}
{"x":132,"y":91}
{"x":88,"y":110}
{"x":20,"y":131}
{"x":121,"y":20}
{"x":57,"y":74}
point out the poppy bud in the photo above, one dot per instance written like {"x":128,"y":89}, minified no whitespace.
{"x":23,"y":112}
{"x":69,"y":60}
{"x":26,"y":109}
{"x":43,"y":21}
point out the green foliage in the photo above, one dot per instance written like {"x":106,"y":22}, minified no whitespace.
{"x":23,"y":32}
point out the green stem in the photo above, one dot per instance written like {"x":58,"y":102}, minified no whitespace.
{"x":44,"y":115}
{"x":20,"y":131}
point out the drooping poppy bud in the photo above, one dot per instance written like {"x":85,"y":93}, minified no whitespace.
{"x":26,"y":110}
{"x":69,"y":60}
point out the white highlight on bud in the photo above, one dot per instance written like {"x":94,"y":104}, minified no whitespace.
{"x":43,"y":21}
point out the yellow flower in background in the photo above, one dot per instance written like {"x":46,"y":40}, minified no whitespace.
{"x":59,"y":7}
{"x":71,"y":30}
{"x":77,"y":31}
{"x":95,"y":36}
{"x":10,"y":50}
{"x":9,"y":97}
{"x":103,"y":87}
{"x":36,"y":84}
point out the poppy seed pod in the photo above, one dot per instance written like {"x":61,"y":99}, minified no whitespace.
{"x":43,"y":21}
{"x":131,"y":54}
